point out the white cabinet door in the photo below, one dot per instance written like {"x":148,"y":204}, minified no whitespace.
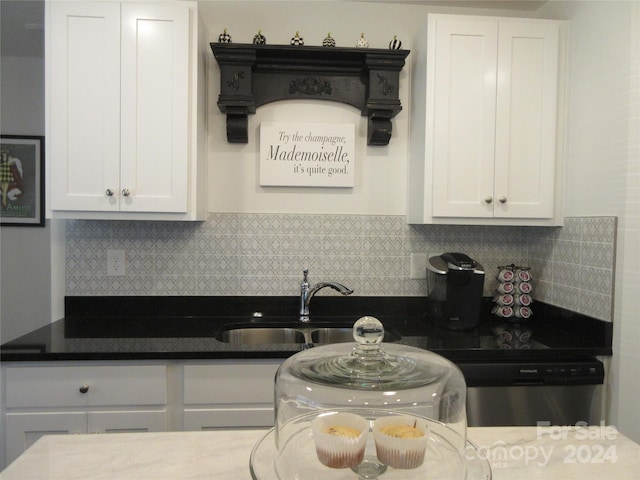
{"x":23,"y":429}
{"x":483,"y":146}
{"x":527,"y":86}
{"x":155,"y":108}
{"x":121,"y":96}
{"x":83,"y":132}
{"x":464,"y":117}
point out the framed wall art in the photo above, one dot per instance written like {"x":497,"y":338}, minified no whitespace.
{"x":22,"y":180}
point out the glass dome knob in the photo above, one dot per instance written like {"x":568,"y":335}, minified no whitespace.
{"x":368,"y":333}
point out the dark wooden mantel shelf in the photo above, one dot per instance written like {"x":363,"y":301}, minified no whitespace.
{"x":254,"y":75}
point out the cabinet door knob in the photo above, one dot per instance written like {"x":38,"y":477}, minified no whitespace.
{"x":83,"y":388}
{"x":109,"y":192}
{"x":125,"y":192}
{"x":488,"y":199}
{"x":503,"y":200}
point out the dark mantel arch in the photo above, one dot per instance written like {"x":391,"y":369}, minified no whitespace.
{"x":254,"y":75}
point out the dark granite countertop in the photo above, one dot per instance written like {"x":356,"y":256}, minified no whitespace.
{"x":183,"y":328}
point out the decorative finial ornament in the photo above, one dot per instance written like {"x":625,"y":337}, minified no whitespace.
{"x":362,"y":42}
{"x":297,"y":40}
{"x":259,"y":39}
{"x":328,"y":41}
{"x":224,"y":37}
{"x":395,"y":44}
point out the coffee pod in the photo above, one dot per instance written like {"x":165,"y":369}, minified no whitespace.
{"x":522,"y":334}
{"x":506,"y":287}
{"x":502,"y":334}
{"x":522,"y":300}
{"x":504,"y":312}
{"x":523,"y":276}
{"x":522,"y":312}
{"x":524,"y":287}
{"x":504,"y":299}
{"x":505,"y":275}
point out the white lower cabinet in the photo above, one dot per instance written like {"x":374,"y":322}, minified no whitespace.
{"x":229,"y":394}
{"x":23,"y":429}
{"x":55,"y":398}
{"x":66,"y":399}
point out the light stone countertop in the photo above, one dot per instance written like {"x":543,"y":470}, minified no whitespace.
{"x":515,"y":453}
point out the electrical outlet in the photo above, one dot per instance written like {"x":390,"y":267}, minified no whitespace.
{"x":418,"y":266}
{"x":116,"y":263}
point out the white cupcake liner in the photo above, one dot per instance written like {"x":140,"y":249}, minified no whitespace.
{"x":337,"y":451}
{"x":396,"y":452}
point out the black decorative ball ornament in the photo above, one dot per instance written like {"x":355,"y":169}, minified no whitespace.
{"x":297,"y":40}
{"x":395,"y":44}
{"x":224,"y":37}
{"x":328,"y":41}
{"x":259,"y":39}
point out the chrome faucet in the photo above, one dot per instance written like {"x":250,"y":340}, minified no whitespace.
{"x":307,"y":292}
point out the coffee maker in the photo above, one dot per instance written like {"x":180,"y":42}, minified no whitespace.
{"x":455,"y":284}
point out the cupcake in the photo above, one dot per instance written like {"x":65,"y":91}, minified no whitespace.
{"x":401,"y":441}
{"x":340,"y":439}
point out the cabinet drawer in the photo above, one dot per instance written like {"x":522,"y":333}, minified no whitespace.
{"x":127,"y":421}
{"x":63,"y":386}
{"x":212,"y":419}
{"x":230,"y":383}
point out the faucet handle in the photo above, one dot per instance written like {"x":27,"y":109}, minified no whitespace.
{"x":305,"y":273}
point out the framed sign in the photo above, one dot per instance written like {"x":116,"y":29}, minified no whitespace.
{"x":307,"y":154}
{"x":22,"y":180}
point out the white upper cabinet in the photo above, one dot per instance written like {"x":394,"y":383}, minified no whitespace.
{"x":124,"y":122}
{"x":485,"y":145}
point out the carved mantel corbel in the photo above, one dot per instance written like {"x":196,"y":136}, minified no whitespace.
{"x":253,"y":75}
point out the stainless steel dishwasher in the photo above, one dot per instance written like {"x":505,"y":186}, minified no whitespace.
{"x":532,"y":393}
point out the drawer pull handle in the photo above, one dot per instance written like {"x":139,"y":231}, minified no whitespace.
{"x":488,"y":199}
{"x":503,"y":199}
{"x":83,"y":388}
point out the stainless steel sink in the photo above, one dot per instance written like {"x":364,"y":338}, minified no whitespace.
{"x":307,"y":334}
{"x":342,"y":335}
{"x":264,"y":335}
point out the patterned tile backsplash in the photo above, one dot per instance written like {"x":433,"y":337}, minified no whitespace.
{"x":264,"y":254}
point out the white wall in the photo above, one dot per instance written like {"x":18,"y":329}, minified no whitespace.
{"x":25,"y":272}
{"x":603,"y":166}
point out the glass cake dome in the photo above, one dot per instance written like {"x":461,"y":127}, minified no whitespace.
{"x":332,"y":403}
